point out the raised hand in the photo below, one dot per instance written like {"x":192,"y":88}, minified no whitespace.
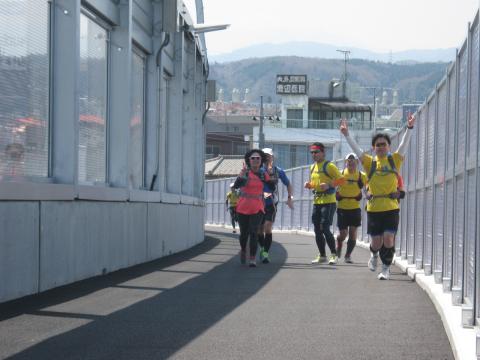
{"x":344,"y":127}
{"x":243,"y":171}
{"x":411,"y":120}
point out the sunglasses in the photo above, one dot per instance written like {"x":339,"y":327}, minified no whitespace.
{"x":380,"y":144}
{"x":254,"y":157}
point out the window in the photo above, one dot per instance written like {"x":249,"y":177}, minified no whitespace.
{"x":92,"y":101}
{"x":212,"y":150}
{"x":294,"y":118}
{"x":24,"y":88}
{"x":294,"y":114}
{"x":137,"y":122}
{"x":241,"y":149}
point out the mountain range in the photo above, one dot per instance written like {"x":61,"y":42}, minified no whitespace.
{"x":326,"y":51}
{"x":257,"y":76}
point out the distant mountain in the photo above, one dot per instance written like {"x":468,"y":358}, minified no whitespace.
{"x":325,"y":51}
{"x":414,"y":81}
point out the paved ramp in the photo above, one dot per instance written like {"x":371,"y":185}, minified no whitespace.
{"x":202,"y":304}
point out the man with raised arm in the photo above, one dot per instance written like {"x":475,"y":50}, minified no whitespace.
{"x":383,"y":184}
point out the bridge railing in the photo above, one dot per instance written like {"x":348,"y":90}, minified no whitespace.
{"x":440,"y":219}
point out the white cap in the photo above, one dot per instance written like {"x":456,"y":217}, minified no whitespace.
{"x":268,"y":151}
{"x":231,"y":184}
{"x":351,"y":155}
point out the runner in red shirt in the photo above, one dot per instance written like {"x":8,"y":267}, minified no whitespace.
{"x":250,"y":206}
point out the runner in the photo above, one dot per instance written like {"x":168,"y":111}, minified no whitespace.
{"x":324,"y":177}
{"x":349,"y":216}
{"x":231,"y":204}
{"x":250,"y":206}
{"x":265,"y":236}
{"x":383,"y":204}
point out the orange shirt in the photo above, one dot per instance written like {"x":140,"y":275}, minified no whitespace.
{"x":251,"y":195}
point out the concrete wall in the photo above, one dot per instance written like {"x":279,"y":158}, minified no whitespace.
{"x":53,"y":243}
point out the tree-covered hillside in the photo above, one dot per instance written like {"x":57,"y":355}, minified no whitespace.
{"x":414,"y":81}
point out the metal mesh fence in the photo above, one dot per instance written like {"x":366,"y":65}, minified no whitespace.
{"x":439,"y":217}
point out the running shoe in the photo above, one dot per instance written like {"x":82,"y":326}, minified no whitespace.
{"x":333,"y":259}
{"x":252,"y":262}
{"x":348,"y":260}
{"x":319,"y":259}
{"x":264,"y":256}
{"x":372,"y":263}
{"x":385,"y":273}
{"x":243,"y":257}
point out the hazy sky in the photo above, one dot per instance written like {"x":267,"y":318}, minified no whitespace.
{"x":377,"y":25}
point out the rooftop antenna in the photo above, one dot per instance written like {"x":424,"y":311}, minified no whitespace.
{"x":345,"y":54}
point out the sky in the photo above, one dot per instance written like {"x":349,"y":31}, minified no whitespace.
{"x":376,"y":25}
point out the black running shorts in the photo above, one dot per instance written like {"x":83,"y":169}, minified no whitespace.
{"x":270,"y":213}
{"x":383,"y":221}
{"x":346,"y":218}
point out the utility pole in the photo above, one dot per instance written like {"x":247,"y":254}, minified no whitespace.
{"x":344,"y":85}
{"x":374,"y":125}
{"x":261,"y":135}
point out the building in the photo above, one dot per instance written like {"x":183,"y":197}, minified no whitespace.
{"x":101,"y":138}
{"x":310,"y":114}
{"x":223,"y":166}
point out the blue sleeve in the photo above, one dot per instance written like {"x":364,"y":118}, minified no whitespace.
{"x":283,"y":177}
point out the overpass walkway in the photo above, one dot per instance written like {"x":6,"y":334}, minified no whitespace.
{"x":202,"y":304}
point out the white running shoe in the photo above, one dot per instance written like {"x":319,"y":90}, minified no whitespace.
{"x":385,"y":273}
{"x":333,"y":259}
{"x":372,"y":263}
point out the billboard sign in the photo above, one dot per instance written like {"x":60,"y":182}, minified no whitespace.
{"x":291,"y":85}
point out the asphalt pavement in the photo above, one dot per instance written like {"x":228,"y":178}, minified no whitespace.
{"x":202,"y":304}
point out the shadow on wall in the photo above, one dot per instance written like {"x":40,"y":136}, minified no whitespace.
{"x":195,"y":290}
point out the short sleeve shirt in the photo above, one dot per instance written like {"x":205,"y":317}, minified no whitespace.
{"x":351,"y":189}
{"x":232,"y":197}
{"x":382,"y":182}
{"x":251,"y":195}
{"x":317,"y":177}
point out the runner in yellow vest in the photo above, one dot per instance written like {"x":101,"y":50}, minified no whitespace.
{"x":349,"y":215}
{"x":324,"y":177}
{"x":383,"y":204}
{"x":231,"y":203}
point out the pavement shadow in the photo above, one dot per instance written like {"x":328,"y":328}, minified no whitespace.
{"x":81,"y":288}
{"x":159,"y":326}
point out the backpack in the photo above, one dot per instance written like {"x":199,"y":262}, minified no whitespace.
{"x":324,"y":170}
{"x":359,"y":184}
{"x":274,"y":177}
{"x":359,"y":181}
{"x":374,"y":166}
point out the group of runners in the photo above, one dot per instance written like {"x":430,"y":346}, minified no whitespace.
{"x":254,"y":196}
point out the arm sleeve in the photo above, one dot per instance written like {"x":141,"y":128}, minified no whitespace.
{"x":268,"y":181}
{"x":283,"y":177}
{"x":355,"y":147}
{"x":402,"y":148}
